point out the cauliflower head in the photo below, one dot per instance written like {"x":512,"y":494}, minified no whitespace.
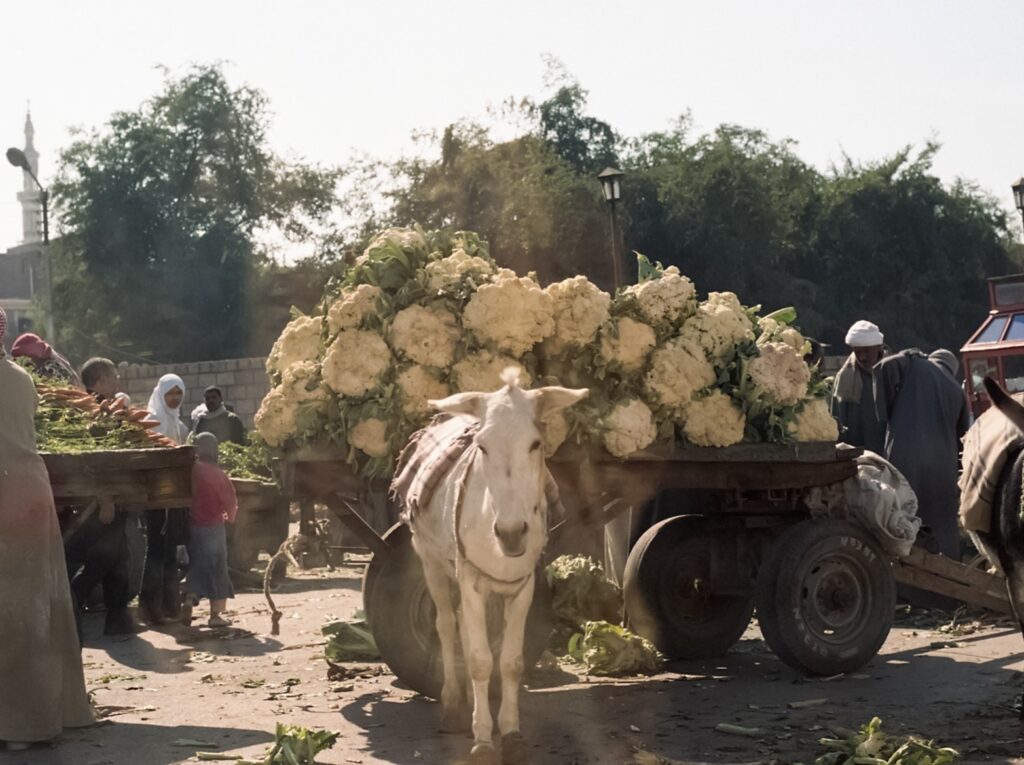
{"x":426,"y":334}
{"x":677,"y":370}
{"x":665,"y":301}
{"x":355,"y":362}
{"x":481,"y":371}
{"x":275,"y":420}
{"x":628,"y":428}
{"x":301,"y":383}
{"x":719,"y":325}
{"x":512,"y":313}
{"x":352,"y":307}
{"x":419,"y":385}
{"x":580,"y":308}
{"x":814,"y":422}
{"x":714,"y":420}
{"x":779,"y":374}
{"x":299,"y":341}
{"x":774,"y":332}
{"x":446,"y":273}
{"x":370,"y":435}
{"x":629,"y":345}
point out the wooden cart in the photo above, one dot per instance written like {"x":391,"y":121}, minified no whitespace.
{"x":261,"y":524}
{"x":716,"y":533}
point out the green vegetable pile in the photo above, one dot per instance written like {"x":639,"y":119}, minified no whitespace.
{"x":608,"y":649}
{"x":872,"y":746}
{"x":581,"y":593}
{"x":249,"y":461}
{"x":349,"y":641}
{"x":293,"y":745}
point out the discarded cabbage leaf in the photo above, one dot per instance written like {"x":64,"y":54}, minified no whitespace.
{"x":872,"y":746}
{"x":581,"y":592}
{"x":349,"y":641}
{"x":607,"y":649}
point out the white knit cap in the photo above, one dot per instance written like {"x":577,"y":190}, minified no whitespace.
{"x":864,"y":334}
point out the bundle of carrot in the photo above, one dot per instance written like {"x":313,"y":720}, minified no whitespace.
{"x":70,"y":421}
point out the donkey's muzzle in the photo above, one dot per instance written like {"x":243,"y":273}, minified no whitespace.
{"x":512,"y":540}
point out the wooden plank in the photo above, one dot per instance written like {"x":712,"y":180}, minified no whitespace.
{"x":994,"y":600}
{"x":119,"y":460}
{"x":809,"y":452}
{"x":953,"y":570}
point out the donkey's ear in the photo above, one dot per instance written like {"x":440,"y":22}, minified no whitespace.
{"x":459,"y":403}
{"x":553,"y":398}
{"x":1005,"y":403}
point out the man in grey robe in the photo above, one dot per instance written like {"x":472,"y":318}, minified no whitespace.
{"x":853,"y":396}
{"x":927,"y":415}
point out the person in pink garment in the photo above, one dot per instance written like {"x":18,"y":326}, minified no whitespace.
{"x":214,"y":503}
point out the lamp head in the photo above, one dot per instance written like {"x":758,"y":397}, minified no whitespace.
{"x":17,"y":158}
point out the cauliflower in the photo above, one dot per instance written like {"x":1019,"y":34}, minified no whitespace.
{"x":275,"y":420}
{"x":427,"y":335}
{"x":301,"y":383}
{"x":352,"y":307}
{"x":513,"y":313}
{"x":774,"y":332}
{"x":299,"y":341}
{"x":355,"y":362}
{"x":450,"y":272}
{"x":629,"y":345}
{"x":407,"y":239}
{"x":580,"y":308}
{"x":418,"y":385}
{"x":719,"y":325}
{"x":481,"y":371}
{"x":371,"y":435}
{"x":677,"y":370}
{"x":554,"y":430}
{"x":628,"y":428}
{"x":665,"y":301}
{"x":814,"y":422}
{"x":713,"y":420}
{"x":779,"y":374}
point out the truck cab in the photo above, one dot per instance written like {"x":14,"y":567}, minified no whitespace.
{"x":996,"y":349}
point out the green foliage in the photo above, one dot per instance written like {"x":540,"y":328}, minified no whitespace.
{"x":161,"y":210}
{"x":349,"y":641}
{"x":608,"y":649}
{"x":581,"y":592}
{"x":250,"y":461}
{"x":873,"y":746}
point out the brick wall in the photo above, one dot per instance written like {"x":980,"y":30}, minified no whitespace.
{"x":244,"y":382}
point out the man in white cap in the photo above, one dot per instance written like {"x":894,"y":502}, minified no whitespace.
{"x":853,"y":398}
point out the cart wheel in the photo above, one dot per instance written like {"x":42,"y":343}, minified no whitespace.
{"x":401,"y":615}
{"x":667,"y":598}
{"x":825,"y":597}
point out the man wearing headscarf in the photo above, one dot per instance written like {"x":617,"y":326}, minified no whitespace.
{"x":45,"y":360}
{"x":927,"y":415}
{"x":853,"y":397}
{"x":42,"y":687}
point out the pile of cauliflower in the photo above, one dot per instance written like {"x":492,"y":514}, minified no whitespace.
{"x":422,"y":315}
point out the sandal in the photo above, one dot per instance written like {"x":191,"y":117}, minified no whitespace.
{"x":218,"y":621}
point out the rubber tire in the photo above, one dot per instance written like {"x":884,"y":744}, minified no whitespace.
{"x":681,"y":628}
{"x":784,"y":606}
{"x":401,"y":615}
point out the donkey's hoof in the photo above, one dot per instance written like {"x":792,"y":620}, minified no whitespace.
{"x":482,"y":754}
{"x":513,"y":749}
{"x":456,"y":719}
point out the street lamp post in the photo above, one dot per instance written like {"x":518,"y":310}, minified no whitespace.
{"x":611,"y":186}
{"x":17,"y":158}
{"x":1018,"y":195}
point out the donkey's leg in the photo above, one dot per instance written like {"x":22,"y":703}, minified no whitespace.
{"x":440,"y":590}
{"x":1015,"y":589}
{"x":513,"y":747}
{"x":478,"y":656}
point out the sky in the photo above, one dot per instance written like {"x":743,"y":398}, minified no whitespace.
{"x":861,"y":79}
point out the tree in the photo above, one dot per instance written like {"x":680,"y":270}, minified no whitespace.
{"x":162,"y":212}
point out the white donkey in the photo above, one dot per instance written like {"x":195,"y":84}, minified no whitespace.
{"x":484,"y":528}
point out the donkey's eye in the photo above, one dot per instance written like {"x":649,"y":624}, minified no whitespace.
{"x":534,"y":446}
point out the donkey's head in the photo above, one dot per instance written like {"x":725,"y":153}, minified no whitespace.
{"x":1005,"y":403}
{"x":510,"y":452}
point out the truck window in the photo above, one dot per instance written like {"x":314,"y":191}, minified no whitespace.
{"x":981,"y":368}
{"x":1013,"y":373}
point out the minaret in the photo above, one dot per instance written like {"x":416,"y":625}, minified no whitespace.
{"x":31,"y":207}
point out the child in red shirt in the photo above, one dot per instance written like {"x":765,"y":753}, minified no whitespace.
{"x":213,"y":503}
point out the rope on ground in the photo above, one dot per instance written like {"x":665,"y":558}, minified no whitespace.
{"x":287,"y":551}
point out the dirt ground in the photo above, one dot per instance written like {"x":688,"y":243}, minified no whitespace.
{"x":166,"y":695}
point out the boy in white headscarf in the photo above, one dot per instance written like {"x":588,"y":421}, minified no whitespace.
{"x":853,"y":400}
{"x":166,"y":530}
